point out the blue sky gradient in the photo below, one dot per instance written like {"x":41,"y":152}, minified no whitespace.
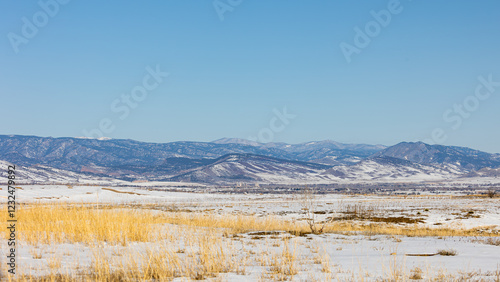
{"x":227,"y":76}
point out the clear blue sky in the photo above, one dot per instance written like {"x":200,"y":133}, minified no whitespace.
{"x":227,"y":76}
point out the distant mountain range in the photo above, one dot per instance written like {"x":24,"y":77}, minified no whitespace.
{"x":229,"y":160}
{"x":422,"y":153}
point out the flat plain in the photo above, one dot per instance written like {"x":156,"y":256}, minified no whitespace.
{"x":100,"y":233}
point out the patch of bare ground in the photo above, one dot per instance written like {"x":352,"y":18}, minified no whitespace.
{"x":121,"y":192}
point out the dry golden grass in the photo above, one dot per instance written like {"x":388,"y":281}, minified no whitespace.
{"x":284,"y":264}
{"x":416,"y":274}
{"x":325,"y":263}
{"x":205,"y":252}
{"x":60,"y":223}
{"x":235,"y":224}
{"x":54,"y":262}
{"x":70,"y":223}
{"x":447,"y":252}
{"x":36,"y":253}
{"x":207,"y":255}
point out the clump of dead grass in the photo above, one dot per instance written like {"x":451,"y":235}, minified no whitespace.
{"x":447,"y":252}
{"x":284,"y":264}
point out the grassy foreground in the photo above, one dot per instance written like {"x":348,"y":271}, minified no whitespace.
{"x":176,"y":243}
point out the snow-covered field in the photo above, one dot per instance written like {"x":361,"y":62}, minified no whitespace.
{"x":336,"y":256}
